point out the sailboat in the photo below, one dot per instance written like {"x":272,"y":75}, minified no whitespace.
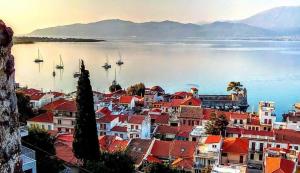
{"x":61,"y":64}
{"x":39,"y":58}
{"x":120,"y":62}
{"x":53,"y":73}
{"x":106,"y":66}
{"x":77,"y":74}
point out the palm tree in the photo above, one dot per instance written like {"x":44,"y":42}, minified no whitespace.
{"x":235,"y":87}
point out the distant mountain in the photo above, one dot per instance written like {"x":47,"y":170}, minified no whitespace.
{"x":110,"y":29}
{"x":280,"y":19}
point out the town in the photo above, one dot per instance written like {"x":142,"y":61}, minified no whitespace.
{"x":187,"y":130}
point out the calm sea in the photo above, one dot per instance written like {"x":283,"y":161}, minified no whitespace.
{"x":270,"y":70}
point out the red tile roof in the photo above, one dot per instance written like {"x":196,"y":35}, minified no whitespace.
{"x":68,"y":106}
{"x":229,"y":115}
{"x":106,"y":119}
{"x":213,"y":139}
{"x":160,"y":119}
{"x":254,"y":120}
{"x":191,"y":112}
{"x":117,"y":145}
{"x":235,"y":145}
{"x":279,"y":165}
{"x":65,"y":153}
{"x":104,"y":111}
{"x":37,"y":96}
{"x":152,"y":159}
{"x":241,"y":131}
{"x":46,"y":117}
{"x":180,"y":163}
{"x":192,"y":101}
{"x":57,"y":94}
{"x":182,"y":131}
{"x":112,"y":143}
{"x":175,"y":149}
{"x":122,"y":118}
{"x":176,"y":102}
{"x":29,"y":91}
{"x":53,"y":105}
{"x":119,"y":129}
{"x":125,"y":99}
{"x":138,"y":148}
{"x":136,"y":119}
{"x":287,"y":136}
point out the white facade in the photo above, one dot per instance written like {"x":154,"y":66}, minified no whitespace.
{"x":45,"y":99}
{"x":41,"y":125}
{"x":266,"y":112}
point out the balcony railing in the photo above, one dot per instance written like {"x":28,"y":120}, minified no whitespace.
{"x":28,"y":159}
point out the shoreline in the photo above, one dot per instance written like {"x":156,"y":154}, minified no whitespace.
{"x":32,"y":40}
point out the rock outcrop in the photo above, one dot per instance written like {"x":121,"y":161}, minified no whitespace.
{"x":10,"y":143}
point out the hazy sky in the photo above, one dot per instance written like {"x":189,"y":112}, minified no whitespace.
{"x":27,"y":15}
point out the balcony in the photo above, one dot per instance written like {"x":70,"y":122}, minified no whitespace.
{"x":28,"y":159}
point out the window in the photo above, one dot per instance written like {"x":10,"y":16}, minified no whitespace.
{"x":58,"y":121}
{"x":67,"y":130}
{"x":296,"y":148}
{"x":277,"y":146}
{"x":249,"y":128}
{"x":270,"y":121}
{"x":121,"y":135}
{"x":253,"y":146}
{"x":261,"y":146}
{"x":266,"y":113}
{"x":183,"y":122}
{"x":194,"y":139}
{"x":251,"y":156}
{"x":235,"y":122}
{"x":49,"y":127}
{"x":214,"y":146}
{"x":43,"y":126}
{"x":260,"y":157}
{"x":265,"y":128}
{"x":256,"y":128}
{"x":116,"y":134}
{"x":241,"y":121}
{"x":104,"y":126}
{"x":136,"y":127}
{"x":59,"y":129}
{"x":73,"y":123}
{"x":265,"y":121}
{"x":132,"y":126}
{"x":131,"y":135}
{"x":137,"y":136}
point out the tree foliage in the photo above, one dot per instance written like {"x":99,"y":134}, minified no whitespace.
{"x":24,"y":107}
{"x":118,"y":162}
{"x":85,"y":144}
{"x":114,"y":87}
{"x":137,"y":89}
{"x":234,"y":86}
{"x":161,"y":168}
{"x":216,"y":125}
{"x":43,"y":144}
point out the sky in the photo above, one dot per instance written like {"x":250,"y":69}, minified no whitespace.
{"x":25,"y":16}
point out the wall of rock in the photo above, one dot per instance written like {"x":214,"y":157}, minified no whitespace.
{"x":10,"y":143}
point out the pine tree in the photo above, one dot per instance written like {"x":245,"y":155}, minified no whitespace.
{"x":85,"y":144}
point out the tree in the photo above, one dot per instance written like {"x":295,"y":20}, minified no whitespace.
{"x":114,"y":87}
{"x":85,"y":144}
{"x":161,"y":168}
{"x":216,"y":125}
{"x":10,"y":142}
{"x":43,"y":144}
{"x":118,"y":162}
{"x":24,"y":108}
{"x":234,"y":86}
{"x":137,"y":89}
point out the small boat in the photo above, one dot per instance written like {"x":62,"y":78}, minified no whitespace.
{"x":106,"y":66}
{"x":53,"y":73}
{"x":39,"y":58}
{"x":77,"y":74}
{"x":61,"y":64}
{"x":120,"y":62}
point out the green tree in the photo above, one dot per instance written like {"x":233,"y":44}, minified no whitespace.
{"x":43,"y":144}
{"x":234,"y":86}
{"x":216,"y":125}
{"x":114,"y":86}
{"x":118,"y":162}
{"x":85,"y":144}
{"x":137,"y":89}
{"x":24,"y":108}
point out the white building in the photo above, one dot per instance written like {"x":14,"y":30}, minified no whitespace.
{"x":266,"y":113}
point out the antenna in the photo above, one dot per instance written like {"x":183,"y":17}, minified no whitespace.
{"x":115,"y":75}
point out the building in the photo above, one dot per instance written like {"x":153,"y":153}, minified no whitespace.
{"x":139,"y":126}
{"x":106,"y":123}
{"x":266,"y":113}
{"x":190,"y":115}
{"x":234,"y":151}
{"x":43,"y":121}
{"x":65,"y":116}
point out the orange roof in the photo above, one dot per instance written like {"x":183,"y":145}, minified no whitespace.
{"x":29,"y":91}
{"x":213,"y":139}
{"x":235,"y":145}
{"x":104,"y":111}
{"x":183,"y":163}
{"x":37,"y":96}
{"x":279,"y":165}
{"x":117,"y":145}
{"x":106,"y":119}
{"x":152,"y":159}
{"x":46,"y":117}
{"x":65,"y":153}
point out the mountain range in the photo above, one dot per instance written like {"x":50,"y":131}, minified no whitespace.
{"x":276,"y":22}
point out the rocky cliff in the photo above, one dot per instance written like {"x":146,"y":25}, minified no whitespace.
{"x":9,"y":135}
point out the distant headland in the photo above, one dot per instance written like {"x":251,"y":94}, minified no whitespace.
{"x":31,"y":40}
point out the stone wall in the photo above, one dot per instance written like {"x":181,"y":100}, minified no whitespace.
{"x":9,"y":135}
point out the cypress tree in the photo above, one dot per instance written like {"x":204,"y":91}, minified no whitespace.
{"x":85,"y":144}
